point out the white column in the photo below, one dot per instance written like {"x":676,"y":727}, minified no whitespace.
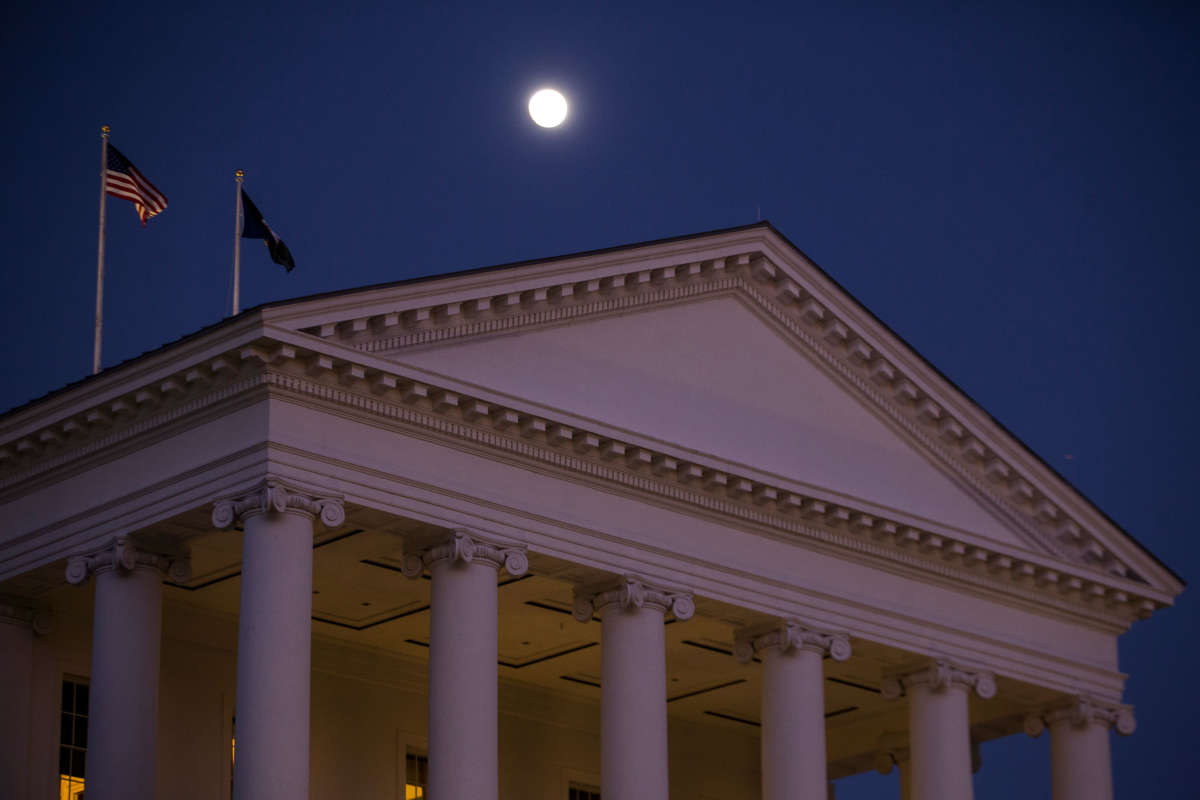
{"x":939,"y":730}
{"x":463,"y":680}
{"x":126,"y":645}
{"x":793,"y":753}
{"x":274,"y":637}
{"x":1080,"y":761}
{"x":18,"y":624}
{"x":633,"y":684}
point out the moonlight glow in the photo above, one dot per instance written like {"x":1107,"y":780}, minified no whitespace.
{"x":548,"y":108}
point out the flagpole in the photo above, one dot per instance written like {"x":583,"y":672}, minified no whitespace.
{"x":100,"y":249}
{"x":237,"y":240}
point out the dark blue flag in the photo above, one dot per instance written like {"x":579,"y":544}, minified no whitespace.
{"x":255,"y":227}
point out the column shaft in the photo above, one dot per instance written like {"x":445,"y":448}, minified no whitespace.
{"x":633,"y":697}
{"x":793,"y":725}
{"x":1080,"y":765}
{"x":274,"y":658}
{"x":16,"y":693}
{"x":123,"y":709}
{"x":463,"y":680}
{"x":940,"y":740}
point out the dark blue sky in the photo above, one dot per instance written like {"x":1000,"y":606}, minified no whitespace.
{"x":1013,"y":190}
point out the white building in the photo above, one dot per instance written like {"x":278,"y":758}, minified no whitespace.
{"x":357,"y":533}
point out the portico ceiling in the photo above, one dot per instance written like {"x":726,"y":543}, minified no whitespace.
{"x":362,"y":600}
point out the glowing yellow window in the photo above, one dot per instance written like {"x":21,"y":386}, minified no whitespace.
{"x":72,"y":742}
{"x":416,"y":776}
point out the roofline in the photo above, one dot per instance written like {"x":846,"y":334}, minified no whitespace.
{"x":764,"y":225}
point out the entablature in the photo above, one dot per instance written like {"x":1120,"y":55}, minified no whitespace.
{"x":328,"y":375}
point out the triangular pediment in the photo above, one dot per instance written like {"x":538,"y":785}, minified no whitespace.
{"x":711,"y":377}
{"x":734,"y":346}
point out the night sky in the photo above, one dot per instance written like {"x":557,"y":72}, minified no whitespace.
{"x":1013,"y":190}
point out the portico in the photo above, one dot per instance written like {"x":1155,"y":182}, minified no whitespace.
{"x":679,"y":519}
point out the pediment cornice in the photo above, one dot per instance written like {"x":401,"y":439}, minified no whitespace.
{"x":333,"y":376}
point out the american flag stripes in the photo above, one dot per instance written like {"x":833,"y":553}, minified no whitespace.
{"x":122,"y":179}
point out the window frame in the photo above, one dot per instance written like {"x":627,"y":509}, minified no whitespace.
{"x":75,"y":681}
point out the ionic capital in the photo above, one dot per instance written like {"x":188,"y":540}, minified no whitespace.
{"x":466,"y":547}
{"x":939,"y":675}
{"x":124,"y":556}
{"x":892,"y":751}
{"x":1080,"y":711}
{"x":18,"y":612}
{"x":787,"y":635}
{"x":630,"y":593}
{"x":274,"y":495}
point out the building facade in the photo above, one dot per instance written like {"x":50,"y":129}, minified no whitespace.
{"x":679,"y":519}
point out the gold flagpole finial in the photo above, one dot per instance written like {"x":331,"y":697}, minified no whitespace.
{"x":237,"y":173}
{"x":104,"y":129}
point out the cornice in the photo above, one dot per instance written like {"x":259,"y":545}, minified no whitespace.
{"x":381,"y":391}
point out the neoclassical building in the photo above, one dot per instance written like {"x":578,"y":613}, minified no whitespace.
{"x":674,"y":520}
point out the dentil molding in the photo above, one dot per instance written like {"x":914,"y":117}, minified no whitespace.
{"x":274,"y":495}
{"x":790,"y":635}
{"x":939,"y":675}
{"x":630,"y":593}
{"x":1080,"y":711}
{"x":123,"y":556}
{"x":466,"y":547}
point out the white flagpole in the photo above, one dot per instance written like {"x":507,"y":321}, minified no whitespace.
{"x":237,"y":241}
{"x":100,"y":249}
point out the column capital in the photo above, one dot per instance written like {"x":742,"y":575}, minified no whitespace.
{"x":629,"y":593}
{"x":274,"y":495}
{"x":122,"y":555}
{"x":466,"y":547}
{"x":939,"y":675}
{"x":787,"y":635}
{"x":18,"y":611}
{"x":1080,"y":711}
{"x":894,"y":757}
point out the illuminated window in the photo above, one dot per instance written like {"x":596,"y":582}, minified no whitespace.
{"x":580,"y":792}
{"x":416,"y":776}
{"x":72,"y":747}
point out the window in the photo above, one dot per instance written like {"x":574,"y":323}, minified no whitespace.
{"x":580,"y":792}
{"x":72,"y":747}
{"x":416,"y":776}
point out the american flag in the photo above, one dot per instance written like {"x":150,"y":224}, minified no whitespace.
{"x":122,"y":179}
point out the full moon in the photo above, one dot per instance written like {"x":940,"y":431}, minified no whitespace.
{"x":548,"y":108}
